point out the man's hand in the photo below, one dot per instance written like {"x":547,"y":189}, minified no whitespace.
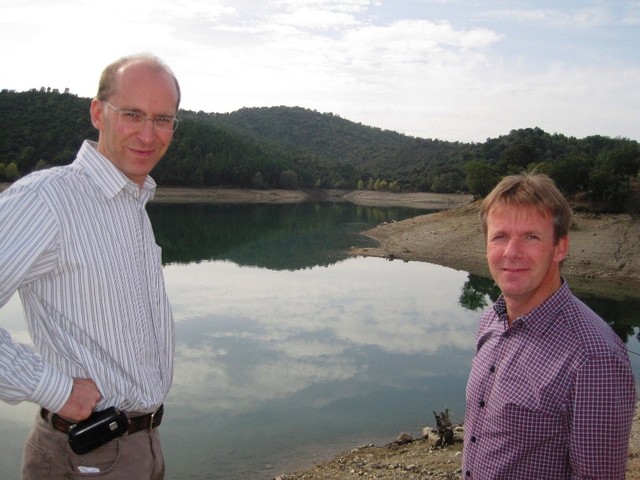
{"x":82,"y":401}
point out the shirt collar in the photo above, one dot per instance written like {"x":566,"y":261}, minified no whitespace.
{"x":107,"y":177}
{"x":541,"y":317}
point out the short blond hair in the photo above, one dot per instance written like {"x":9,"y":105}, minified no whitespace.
{"x":530,"y":190}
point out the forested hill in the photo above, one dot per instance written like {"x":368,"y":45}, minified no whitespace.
{"x":382,"y":153}
{"x":292,"y":147}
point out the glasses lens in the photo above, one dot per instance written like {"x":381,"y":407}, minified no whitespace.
{"x":134,"y":119}
{"x":131,"y":118}
{"x":168,"y":124}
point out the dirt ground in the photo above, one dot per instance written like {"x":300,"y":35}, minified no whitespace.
{"x":420,"y":460}
{"x":603,"y":252}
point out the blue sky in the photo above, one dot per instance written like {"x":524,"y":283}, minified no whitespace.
{"x":446,"y":69}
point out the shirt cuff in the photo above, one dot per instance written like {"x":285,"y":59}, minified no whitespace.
{"x":53,"y":390}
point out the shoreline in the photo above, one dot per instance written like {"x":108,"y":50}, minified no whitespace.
{"x":602,"y":260}
{"x":602,"y":254}
{"x":423,"y":201}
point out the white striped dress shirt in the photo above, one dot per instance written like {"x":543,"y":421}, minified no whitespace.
{"x":77,"y":244}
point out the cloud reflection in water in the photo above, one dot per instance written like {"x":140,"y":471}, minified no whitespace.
{"x":248,"y":335}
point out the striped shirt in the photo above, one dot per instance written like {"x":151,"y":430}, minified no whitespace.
{"x":549,"y":397}
{"x":77,"y":244}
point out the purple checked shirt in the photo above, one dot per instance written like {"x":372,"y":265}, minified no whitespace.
{"x":550,"y":397}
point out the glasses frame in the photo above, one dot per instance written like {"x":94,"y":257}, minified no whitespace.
{"x":137,"y":114}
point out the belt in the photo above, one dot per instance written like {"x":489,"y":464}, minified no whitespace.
{"x":136,"y":424}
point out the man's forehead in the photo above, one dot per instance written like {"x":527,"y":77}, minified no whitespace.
{"x":518,"y":212}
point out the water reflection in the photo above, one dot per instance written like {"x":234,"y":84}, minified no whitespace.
{"x":478,"y":292}
{"x":288,"y":349}
{"x":276,"y":237}
{"x":320,"y":355}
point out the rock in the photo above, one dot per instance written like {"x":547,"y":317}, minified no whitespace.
{"x":404,"y":438}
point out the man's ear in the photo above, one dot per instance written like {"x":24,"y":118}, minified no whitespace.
{"x":97,"y":111}
{"x":562,"y":249}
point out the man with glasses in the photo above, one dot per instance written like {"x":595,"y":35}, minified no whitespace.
{"x":77,"y":244}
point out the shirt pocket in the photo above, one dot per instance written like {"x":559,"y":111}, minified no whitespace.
{"x":531,"y":427}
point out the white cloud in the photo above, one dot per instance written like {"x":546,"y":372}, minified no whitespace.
{"x":426,"y":68}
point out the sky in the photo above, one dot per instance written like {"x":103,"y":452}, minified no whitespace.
{"x":442,"y":69}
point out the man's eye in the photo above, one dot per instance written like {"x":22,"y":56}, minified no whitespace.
{"x":131,"y":116}
{"x":164,"y":121}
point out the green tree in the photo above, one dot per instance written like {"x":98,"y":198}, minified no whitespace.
{"x":517,"y":158}
{"x":570,"y":172}
{"x":11,"y":172}
{"x":482,"y":176}
{"x":258,"y":181}
{"x":625,"y":160}
{"x":289,"y":179}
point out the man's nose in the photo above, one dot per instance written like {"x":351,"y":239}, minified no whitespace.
{"x":147,"y":130}
{"x":513,"y":248}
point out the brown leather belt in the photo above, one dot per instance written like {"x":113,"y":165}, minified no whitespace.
{"x":141,"y":422}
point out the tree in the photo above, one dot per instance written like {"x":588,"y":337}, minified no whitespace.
{"x":517,"y":158}
{"x":289,"y":179}
{"x":12,"y":173}
{"x":482,"y":176}
{"x":625,"y":160}
{"x":27,"y":158}
{"x":258,"y":181}
{"x":570,"y":172}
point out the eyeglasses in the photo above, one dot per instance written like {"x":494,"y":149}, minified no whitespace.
{"x":135,"y":119}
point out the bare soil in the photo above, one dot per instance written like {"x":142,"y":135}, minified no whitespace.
{"x":420,"y":460}
{"x":603,"y":252}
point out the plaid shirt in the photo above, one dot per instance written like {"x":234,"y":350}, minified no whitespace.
{"x":550,"y":397}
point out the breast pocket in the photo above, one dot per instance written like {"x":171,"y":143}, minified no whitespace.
{"x":530,"y":427}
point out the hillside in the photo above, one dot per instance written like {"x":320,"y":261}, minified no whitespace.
{"x":292,"y":147}
{"x":331,"y":137}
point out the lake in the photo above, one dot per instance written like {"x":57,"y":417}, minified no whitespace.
{"x":288,"y":350}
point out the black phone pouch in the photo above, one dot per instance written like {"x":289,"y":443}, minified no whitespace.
{"x":101,"y":427}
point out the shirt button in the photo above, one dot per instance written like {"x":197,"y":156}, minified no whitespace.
{"x":493,"y":369}
{"x":482,"y":404}
{"x":468,"y":474}
{"x":474,"y":439}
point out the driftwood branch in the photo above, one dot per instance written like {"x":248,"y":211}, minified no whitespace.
{"x":444,"y":429}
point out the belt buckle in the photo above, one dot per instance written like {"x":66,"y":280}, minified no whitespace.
{"x":151,"y":419}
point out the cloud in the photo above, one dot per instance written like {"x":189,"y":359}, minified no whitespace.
{"x":434,"y":69}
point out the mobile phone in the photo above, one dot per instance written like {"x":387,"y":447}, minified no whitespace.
{"x":101,"y":427}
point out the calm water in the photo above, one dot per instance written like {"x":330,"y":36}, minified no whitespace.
{"x":288,"y":350}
